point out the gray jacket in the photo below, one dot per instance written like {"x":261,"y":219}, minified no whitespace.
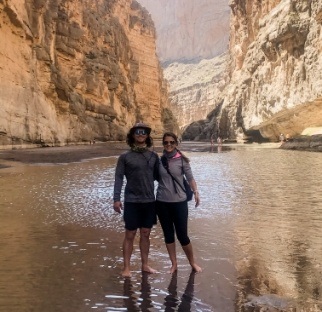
{"x":138,"y":169}
{"x":166,"y":190}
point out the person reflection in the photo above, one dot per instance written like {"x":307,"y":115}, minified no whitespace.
{"x":134,"y":303}
{"x":172,"y":302}
{"x":146,"y":302}
{"x":130,"y":301}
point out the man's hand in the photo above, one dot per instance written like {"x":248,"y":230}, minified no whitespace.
{"x":118,"y":206}
{"x":197,"y":198}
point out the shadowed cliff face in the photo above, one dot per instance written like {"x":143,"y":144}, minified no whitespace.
{"x":276,"y":66}
{"x":77,"y":70}
{"x":275,"y":72}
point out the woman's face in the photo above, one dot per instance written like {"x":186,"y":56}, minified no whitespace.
{"x":169,"y":144}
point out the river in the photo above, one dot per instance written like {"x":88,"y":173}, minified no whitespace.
{"x":257,"y":235}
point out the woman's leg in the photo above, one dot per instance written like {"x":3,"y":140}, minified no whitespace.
{"x":189,"y":253}
{"x":181,"y":226}
{"x":173,"y":257}
{"x":166,"y":221}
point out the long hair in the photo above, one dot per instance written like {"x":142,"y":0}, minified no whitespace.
{"x":175,"y":138}
{"x":130,"y":140}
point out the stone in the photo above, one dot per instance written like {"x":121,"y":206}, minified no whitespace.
{"x":71,"y":71}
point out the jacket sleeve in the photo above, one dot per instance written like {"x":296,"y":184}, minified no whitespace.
{"x":156,"y":174}
{"x":187,"y":171}
{"x":119,"y":177}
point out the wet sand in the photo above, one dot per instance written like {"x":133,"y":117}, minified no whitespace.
{"x":63,"y":241}
{"x":64,"y":154}
{"x":76,"y":153}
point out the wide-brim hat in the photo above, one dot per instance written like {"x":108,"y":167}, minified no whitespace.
{"x":140,"y":125}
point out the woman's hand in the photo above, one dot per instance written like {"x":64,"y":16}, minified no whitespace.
{"x":197,"y":198}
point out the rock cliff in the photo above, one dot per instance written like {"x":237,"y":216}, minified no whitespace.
{"x":275,"y":72}
{"x":276,"y":66}
{"x":189,"y":31}
{"x":196,"y":91}
{"x":73,"y":71}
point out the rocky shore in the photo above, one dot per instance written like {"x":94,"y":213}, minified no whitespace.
{"x":75,"y":153}
{"x":304,"y":143}
{"x":63,"y":154}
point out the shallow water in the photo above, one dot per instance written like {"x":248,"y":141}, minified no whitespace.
{"x":257,"y":234}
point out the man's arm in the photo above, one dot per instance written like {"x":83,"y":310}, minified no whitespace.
{"x":118,"y":183}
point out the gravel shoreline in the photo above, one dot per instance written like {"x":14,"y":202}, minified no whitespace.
{"x":63,"y":154}
{"x":75,"y":153}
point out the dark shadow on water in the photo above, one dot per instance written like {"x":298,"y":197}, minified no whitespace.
{"x":133,"y":302}
{"x":172,"y":302}
{"x":141,"y":301}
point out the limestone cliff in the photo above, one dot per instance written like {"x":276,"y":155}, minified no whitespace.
{"x":276,"y":66}
{"x":72,"y":71}
{"x":196,"y":90}
{"x":275,"y":71}
{"x":189,"y":31}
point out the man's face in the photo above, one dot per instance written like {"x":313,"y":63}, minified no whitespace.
{"x":140,"y":135}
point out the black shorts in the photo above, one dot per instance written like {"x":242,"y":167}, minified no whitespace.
{"x":139,"y":215}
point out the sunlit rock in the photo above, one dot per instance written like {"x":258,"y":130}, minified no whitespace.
{"x":71,"y":71}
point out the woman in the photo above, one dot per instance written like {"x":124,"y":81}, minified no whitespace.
{"x":172,"y":205}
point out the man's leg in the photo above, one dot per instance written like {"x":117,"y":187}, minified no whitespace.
{"x":144,"y":248}
{"x":127,"y":251}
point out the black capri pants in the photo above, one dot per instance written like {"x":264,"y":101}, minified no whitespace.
{"x":173,"y":218}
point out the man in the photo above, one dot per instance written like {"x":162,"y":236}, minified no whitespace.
{"x":139,"y":166}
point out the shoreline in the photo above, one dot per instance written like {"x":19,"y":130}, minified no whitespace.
{"x":61,"y":154}
{"x":76,"y":153}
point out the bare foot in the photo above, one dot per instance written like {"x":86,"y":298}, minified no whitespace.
{"x":173,"y":269}
{"x":126,"y":273}
{"x":196,"y":268}
{"x":148,"y":269}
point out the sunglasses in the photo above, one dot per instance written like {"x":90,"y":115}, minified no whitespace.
{"x":169,"y":142}
{"x":140,"y":132}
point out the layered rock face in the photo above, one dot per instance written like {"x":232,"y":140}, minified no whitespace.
{"x":189,"y":31}
{"x":276,"y":69}
{"x":192,"y":41}
{"x":272,"y":82}
{"x":196,"y":90}
{"x":72,"y":71}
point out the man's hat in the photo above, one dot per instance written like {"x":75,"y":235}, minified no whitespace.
{"x":140,"y":125}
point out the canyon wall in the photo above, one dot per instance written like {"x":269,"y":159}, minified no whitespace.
{"x":275,"y":72}
{"x":72,"y":71}
{"x":196,"y":89}
{"x":276,"y":66}
{"x":189,"y":31}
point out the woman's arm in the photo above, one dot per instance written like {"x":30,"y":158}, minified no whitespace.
{"x":194,"y":188}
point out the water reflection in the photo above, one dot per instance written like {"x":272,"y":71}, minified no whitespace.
{"x":257,"y":234}
{"x":172,"y":302}
{"x":133,"y":302}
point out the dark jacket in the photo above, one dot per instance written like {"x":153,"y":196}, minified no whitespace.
{"x":139,"y":170}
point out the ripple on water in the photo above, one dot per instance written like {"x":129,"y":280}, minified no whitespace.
{"x":257,"y":231}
